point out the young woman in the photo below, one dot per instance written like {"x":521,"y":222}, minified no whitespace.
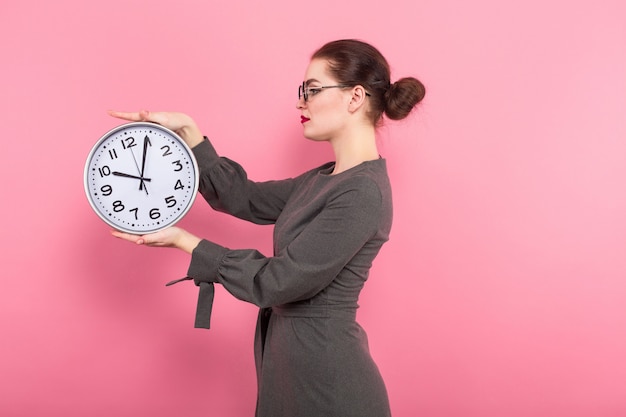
{"x":312,"y":357}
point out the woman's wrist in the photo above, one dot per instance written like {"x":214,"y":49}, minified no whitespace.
{"x":188,"y":242}
{"x":191,"y":135}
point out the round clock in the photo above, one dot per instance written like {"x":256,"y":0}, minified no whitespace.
{"x":141,"y":177}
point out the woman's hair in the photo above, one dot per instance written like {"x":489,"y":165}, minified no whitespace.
{"x":354,"y":62}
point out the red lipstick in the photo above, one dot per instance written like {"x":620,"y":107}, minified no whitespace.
{"x":304,"y":119}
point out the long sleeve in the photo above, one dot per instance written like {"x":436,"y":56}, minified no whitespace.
{"x":225,"y":186}
{"x":342,"y":225}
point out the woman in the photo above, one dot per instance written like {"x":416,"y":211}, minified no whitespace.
{"x":312,"y":357}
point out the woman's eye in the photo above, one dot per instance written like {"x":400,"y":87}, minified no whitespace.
{"x":314,"y":91}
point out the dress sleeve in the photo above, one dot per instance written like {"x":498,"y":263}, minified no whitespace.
{"x":224,"y":184}
{"x":307,"y":264}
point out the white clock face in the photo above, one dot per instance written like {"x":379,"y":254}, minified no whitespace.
{"x":141,"y":177}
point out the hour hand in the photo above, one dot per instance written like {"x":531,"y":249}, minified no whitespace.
{"x":122,"y":174}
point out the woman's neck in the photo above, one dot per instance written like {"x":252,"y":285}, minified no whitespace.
{"x":354,"y":148}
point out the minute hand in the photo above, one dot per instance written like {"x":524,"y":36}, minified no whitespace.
{"x":146,"y":142}
{"x":122,"y":174}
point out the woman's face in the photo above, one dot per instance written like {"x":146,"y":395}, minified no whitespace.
{"x":323,"y":114}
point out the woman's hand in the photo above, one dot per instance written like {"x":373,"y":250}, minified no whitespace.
{"x":180,"y":123}
{"x":172,"y":237}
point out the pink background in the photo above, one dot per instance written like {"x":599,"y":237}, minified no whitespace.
{"x":502,"y":291}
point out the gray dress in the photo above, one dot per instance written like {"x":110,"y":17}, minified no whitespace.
{"x":312,"y":357}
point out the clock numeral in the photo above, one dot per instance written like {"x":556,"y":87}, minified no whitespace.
{"x":113,"y":153}
{"x":179,"y":185}
{"x":155,"y":214}
{"x":179,"y":166}
{"x":167,"y":150}
{"x":136,"y":210}
{"x":128,"y":142}
{"x":106,"y":190}
{"x":170,"y":201}
{"x":104,"y":171}
{"x":118,"y":206}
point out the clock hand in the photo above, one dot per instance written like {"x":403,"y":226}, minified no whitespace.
{"x":146,"y":142}
{"x":137,"y":165}
{"x":122,"y":174}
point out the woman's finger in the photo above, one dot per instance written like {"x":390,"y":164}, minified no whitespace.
{"x":132,"y":116}
{"x":140,"y":116}
{"x":170,"y":120}
{"x":127,"y":236}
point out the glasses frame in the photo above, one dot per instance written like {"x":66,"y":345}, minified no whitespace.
{"x":303,"y":90}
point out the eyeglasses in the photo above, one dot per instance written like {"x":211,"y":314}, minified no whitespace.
{"x":306,"y":92}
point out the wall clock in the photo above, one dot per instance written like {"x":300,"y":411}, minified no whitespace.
{"x":141,"y":177}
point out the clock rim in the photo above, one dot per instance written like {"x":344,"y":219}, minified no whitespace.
{"x":124,"y":126}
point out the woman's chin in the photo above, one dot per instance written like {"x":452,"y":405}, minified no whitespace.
{"x":313,"y":137}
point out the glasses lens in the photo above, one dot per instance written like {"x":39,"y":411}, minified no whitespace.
{"x":302,"y":92}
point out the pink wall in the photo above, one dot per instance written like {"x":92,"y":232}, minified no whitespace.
{"x":502,"y":291}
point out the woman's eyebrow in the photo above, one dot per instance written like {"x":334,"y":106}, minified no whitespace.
{"x":310,"y":80}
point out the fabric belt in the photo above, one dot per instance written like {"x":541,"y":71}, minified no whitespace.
{"x":322,"y":311}
{"x":207,"y":293}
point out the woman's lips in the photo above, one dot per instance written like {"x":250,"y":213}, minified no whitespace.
{"x":304,"y":119}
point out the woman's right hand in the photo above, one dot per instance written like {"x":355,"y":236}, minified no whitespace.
{"x":172,"y":237}
{"x":180,"y":123}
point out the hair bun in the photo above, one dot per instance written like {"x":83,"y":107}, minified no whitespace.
{"x":402,"y":96}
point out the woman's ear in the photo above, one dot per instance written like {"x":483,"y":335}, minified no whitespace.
{"x":357,"y":100}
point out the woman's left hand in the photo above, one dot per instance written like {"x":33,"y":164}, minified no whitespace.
{"x":180,"y":123}
{"x":172,"y":237}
